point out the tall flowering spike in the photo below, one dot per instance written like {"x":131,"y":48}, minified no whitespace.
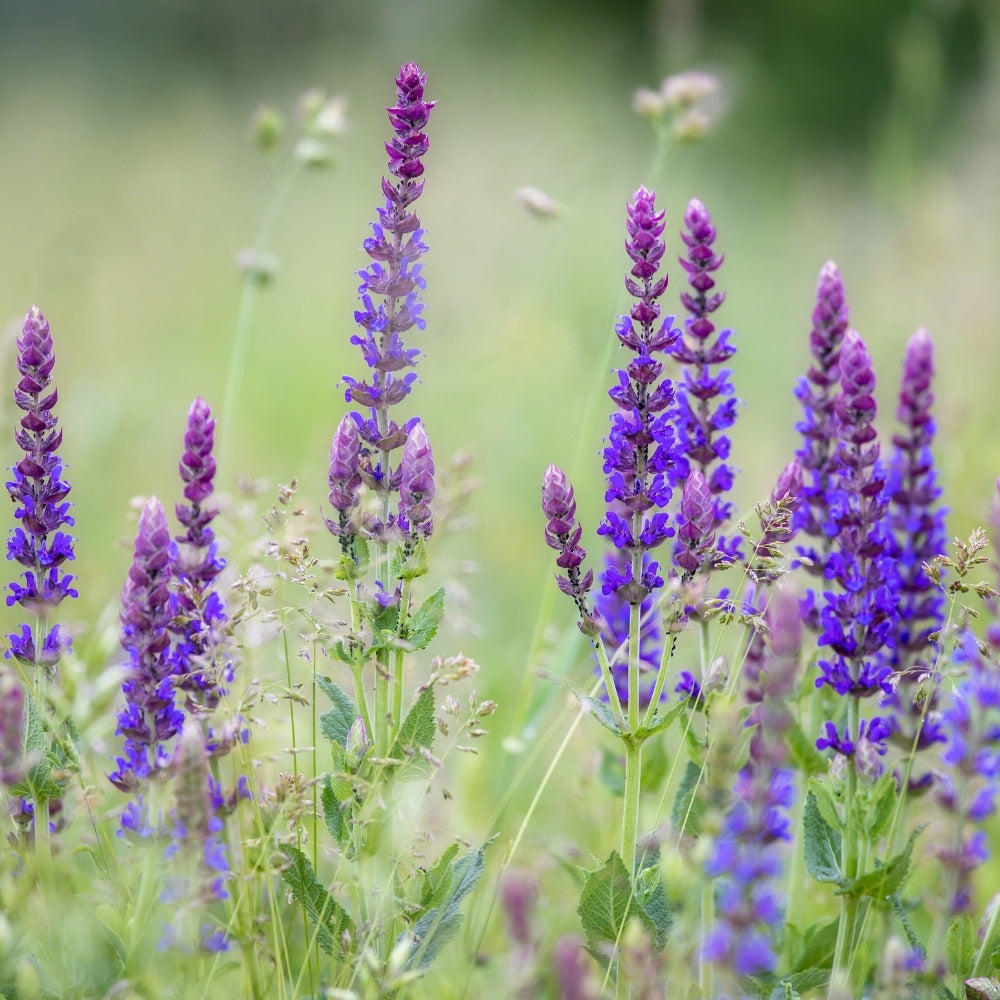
{"x":416,"y":486}
{"x":817,"y":392}
{"x":390,"y":290}
{"x":39,"y":494}
{"x":150,"y":717}
{"x":198,"y":608}
{"x":640,"y":459}
{"x":563,"y":533}
{"x":705,"y":406}
{"x":744,"y":859}
{"x":858,"y":619}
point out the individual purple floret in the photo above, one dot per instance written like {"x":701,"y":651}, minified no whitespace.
{"x":416,"y":485}
{"x":968,"y":787}
{"x":390,"y":292}
{"x":858,"y":619}
{"x":150,"y":717}
{"x":563,"y":533}
{"x":745,"y":860}
{"x":41,"y":508}
{"x":705,"y":404}
{"x":199,"y":611}
{"x":817,"y":392}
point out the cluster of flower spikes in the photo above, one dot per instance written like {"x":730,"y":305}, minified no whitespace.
{"x":705,"y":406}
{"x":918,"y":536}
{"x":858,"y":619}
{"x":817,"y":392}
{"x":39,"y":493}
{"x":743,"y":859}
{"x":390,"y":299}
{"x":640,"y":459}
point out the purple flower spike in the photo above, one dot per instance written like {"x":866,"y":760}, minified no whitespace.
{"x":705,"y":405}
{"x":39,"y":495}
{"x":12,"y":764}
{"x":858,"y":620}
{"x":150,"y":718}
{"x":416,"y":487}
{"x":695,"y":537}
{"x":563,"y":533}
{"x":390,"y":292}
{"x":345,"y":482}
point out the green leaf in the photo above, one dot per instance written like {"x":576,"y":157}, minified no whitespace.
{"x":801,"y":982}
{"x":605,"y":902}
{"x":688,"y":811}
{"x":662,"y":722}
{"x":418,"y":729}
{"x":329,"y":918}
{"x":803,"y":751}
{"x":612,"y":771}
{"x":651,"y":899}
{"x":821,"y":846}
{"x":336,"y":724}
{"x":961,"y":945}
{"x":982,"y":989}
{"x":880,"y":810}
{"x":438,"y":879}
{"x":911,"y":935}
{"x":818,"y":944}
{"x":440,"y":924}
{"x":885,"y":881}
{"x":784,"y":991}
{"x":600,"y":711}
{"x":826,"y":803}
{"x":114,"y":929}
{"x":333,"y":814}
{"x":423,"y":626}
{"x":655,"y":766}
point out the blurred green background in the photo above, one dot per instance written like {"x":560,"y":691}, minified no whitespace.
{"x":867,"y":133}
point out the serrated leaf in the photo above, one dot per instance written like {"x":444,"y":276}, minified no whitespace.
{"x":600,"y":711}
{"x":605,"y":901}
{"x":817,"y":946}
{"x":826,"y":803}
{"x":821,"y":845}
{"x":440,"y":924}
{"x":961,"y":945}
{"x":418,"y":729}
{"x":336,"y":723}
{"x":886,"y":880}
{"x":438,"y":879}
{"x":662,"y":722}
{"x":688,"y":811}
{"x":327,"y":916}
{"x":333,"y":814}
{"x":423,"y":625}
{"x":896,"y":905}
{"x":651,"y":898}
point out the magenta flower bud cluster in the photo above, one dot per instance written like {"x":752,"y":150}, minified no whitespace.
{"x":41,"y":509}
{"x":390,"y":305}
{"x":705,"y":404}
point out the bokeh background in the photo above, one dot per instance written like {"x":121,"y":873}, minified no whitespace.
{"x":864,"y":132}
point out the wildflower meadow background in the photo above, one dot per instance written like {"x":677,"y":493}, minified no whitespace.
{"x":412,"y":591}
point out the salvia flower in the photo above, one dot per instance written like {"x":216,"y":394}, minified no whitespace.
{"x":640,"y":456}
{"x":745,"y":859}
{"x":695,"y":537}
{"x":150,"y":718}
{"x":344,"y":480}
{"x":817,"y":392}
{"x":12,"y":764}
{"x":416,"y":484}
{"x":203,"y":671}
{"x":39,"y":493}
{"x":858,"y":619}
{"x":968,"y":788}
{"x":705,"y":405}
{"x":390,"y":292}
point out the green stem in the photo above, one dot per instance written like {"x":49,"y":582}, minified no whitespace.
{"x":382,"y":679}
{"x":398,"y":656}
{"x":630,"y":833}
{"x":609,"y":681}
{"x":706,"y":970}
{"x":244,"y":315}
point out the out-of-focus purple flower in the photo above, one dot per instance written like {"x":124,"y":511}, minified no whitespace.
{"x":12,"y":763}
{"x":968,"y":788}
{"x":416,"y":484}
{"x":817,"y":393}
{"x":518,"y":896}
{"x":563,"y":533}
{"x":571,"y":967}
{"x":744,"y":860}
{"x":39,"y":494}
{"x":859,"y":618}
{"x":640,"y":459}
{"x":345,"y":480}
{"x":695,"y":537}
{"x":150,"y":718}
{"x":705,"y":406}
{"x":202,"y":669}
{"x":390,"y":293}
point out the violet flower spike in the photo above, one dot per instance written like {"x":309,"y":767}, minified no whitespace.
{"x":416,"y":486}
{"x":817,"y":392}
{"x":390,"y":293}
{"x":858,"y":619}
{"x":345,"y":481}
{"x":695,"y":537}
{"x":705,"y":404}
{"x":39,"y":494}
{"x":150,"y":718}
